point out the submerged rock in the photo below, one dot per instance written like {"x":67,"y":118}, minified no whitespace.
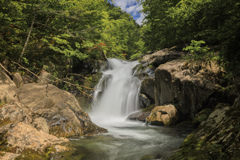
{"x":163,"y":115}
{"x":139,"y":115}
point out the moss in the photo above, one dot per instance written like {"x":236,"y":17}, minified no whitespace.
{"x":65,"y":131}
{"x":29,"y":154}
{"x":147,"y":157}
{"x":49,"y":151}
{"x":202,"y":116}
{"x":149,"y":108}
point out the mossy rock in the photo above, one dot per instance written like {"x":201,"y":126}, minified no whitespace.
{"x":29,"y":154}
{"x":201,"y":116}
{"x":149,"y":108}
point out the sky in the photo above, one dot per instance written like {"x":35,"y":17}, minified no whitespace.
{"x":133,"y":7}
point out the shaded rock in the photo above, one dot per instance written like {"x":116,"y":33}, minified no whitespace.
{"x":23,"y":136}
{"x":216,"y":138}
{"x":139,"y":115}
{"x":7,"y":89}
{"x":143,"y":101}
{"x":160,"y":57}
{"x":60,"y":109}
{"x":202,"y":116}
{"x":175,"y":84}
{"x":45,"y":77}
{"x":17,"y":79}
{"x":163,"y":115}
{"x":147,"y":88}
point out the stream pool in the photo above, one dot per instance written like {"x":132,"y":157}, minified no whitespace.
{"x":116,"y":96}
{"x":127,"y":140}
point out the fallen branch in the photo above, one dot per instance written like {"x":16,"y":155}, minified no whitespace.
{"x":27,"y":70}
{"x":84,"y":93}
{"x":5,"y":69}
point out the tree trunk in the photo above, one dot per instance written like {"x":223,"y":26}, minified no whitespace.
{"x":28,"y":37}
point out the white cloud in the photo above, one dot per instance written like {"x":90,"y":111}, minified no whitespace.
{"x":140,"y":19}
{"x":133,"y":7}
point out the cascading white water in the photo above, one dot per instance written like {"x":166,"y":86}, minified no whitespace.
{"x":116,"y":94}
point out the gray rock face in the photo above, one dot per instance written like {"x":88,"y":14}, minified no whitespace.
{"x":147,"y":88}
{"x":216,"y":138}
{"x":143,"y":101}
{"x":175,"y":85}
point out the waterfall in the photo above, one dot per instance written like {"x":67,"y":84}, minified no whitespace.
{"x":116,"y":94}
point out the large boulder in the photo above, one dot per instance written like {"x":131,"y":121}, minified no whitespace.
{"x":175,"y":84}
{"x":60,"y":109}
{"x":163,"y":115}
{"x":216,"y":138}
{"x":160,"y":57}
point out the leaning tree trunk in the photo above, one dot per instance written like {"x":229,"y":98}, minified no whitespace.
{"x":28,"y":37}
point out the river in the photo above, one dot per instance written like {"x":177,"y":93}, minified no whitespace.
{"x":116,"y":96}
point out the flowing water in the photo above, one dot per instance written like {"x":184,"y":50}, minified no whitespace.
{"x":116,"y":96}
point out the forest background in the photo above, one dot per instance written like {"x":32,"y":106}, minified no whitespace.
{"x":64,"y":33}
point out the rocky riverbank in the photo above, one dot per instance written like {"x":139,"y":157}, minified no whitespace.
{"x":191,"y":94}
{"x":35,"y":118}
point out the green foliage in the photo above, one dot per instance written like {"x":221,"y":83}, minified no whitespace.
{"x":66,"y":32}
{"x":195,"y":47}
{"x":177,"y":22}
{"x":197,"y":51}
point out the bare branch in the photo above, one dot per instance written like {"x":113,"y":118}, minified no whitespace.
{"x":5,"y":69}
{"x":27,"y":70}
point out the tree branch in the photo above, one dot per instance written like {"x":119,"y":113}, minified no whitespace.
{"x":28,"y":37}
